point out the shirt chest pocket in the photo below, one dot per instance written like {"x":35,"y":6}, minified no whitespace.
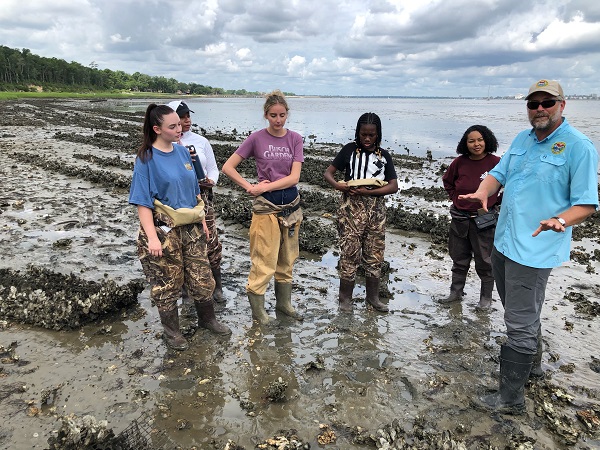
{"x":516,"y":163}
{"x":551,"y":168}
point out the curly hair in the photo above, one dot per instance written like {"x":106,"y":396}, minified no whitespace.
{"x":491,"y":143}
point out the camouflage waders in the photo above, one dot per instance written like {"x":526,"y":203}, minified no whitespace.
{"x":184,"y":262}
{"x":361,"y":228}
{"x":214,"y":248}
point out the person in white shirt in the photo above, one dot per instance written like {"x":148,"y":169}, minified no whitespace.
{"x":201,"y":146}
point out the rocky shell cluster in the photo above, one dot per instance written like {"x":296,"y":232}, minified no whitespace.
{"x":55,"y":301}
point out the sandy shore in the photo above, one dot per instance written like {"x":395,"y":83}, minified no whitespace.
{"x":398,"y":380}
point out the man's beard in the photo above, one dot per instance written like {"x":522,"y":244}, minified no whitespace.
{"x":544,"y":122}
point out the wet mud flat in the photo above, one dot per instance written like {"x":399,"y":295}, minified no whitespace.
{"x":366,"y":380}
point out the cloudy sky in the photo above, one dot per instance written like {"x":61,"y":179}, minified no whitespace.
{"x":324,"y":47}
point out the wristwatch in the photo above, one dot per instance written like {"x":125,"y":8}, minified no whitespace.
{"x":560,"y":220}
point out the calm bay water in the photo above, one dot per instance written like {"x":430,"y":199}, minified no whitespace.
{"x":417,"y":124}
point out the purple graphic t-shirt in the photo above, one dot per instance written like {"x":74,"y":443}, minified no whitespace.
{"x":274,"y":155}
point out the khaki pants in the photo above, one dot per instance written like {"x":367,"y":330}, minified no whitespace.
{"x":272,"y":252}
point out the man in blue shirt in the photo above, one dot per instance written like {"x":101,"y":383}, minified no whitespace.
{"x":550,"y":181}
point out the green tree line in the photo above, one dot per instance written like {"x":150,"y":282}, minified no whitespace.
{"x":21,"y":70}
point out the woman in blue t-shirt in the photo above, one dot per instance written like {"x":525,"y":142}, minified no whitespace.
{"x":172,"y":238}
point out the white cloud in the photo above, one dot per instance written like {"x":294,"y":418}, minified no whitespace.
{"x":244,"y":54}
{"x":116,"y":38}
{"x":297,"y":66}
{"x":214,"y":49}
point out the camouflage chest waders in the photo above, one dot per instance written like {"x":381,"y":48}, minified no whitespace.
{"x":214,"y":247}
{"x":184,"y":262}
{"x":361,"y":228}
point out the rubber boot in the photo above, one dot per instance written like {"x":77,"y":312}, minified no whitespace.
{"x":283,"y":297}
{"x":456,"y":289}
{"x":485,"y":296}
{"x":218,"y":292}
{"x":372,"y":284}
{"x":514,"y":371}
{"x":188,"y":309}
{"x":171,"y":332}
{"x":345,"y":296}
{"x":536,"y":366}
{"x":208,"y":320}
{"x":257,"y":304}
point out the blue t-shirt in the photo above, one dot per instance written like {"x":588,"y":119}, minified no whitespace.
{"x":168,"y":177}
{"x":542,"y":180}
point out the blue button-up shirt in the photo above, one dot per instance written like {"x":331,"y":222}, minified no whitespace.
{"x":542,"y":179}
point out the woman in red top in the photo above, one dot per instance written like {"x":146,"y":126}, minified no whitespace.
{"x":466,"y":240}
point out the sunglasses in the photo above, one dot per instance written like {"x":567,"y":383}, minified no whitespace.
{"x":545,"y":104}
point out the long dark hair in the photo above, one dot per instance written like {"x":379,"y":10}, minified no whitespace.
{"x":491,"y":143}
{"x":154,"y":116}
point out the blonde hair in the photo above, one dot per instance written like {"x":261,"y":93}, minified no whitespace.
{"x":274,"y":98}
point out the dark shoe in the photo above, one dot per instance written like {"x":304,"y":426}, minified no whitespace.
{"x":345,"y":296}
{"x":453,"y":297}
{"x":171,"y":332}
{"x":208,"y":320}
{"x":257,"y":304}
{"x":456,"y":288}
{"x":372,"y":285}
{"x":283,"y":296}
{"x":218,"y":292}
{"x":485,"y":296}
{"x":514,"y":371}
{"x":485,"y":304}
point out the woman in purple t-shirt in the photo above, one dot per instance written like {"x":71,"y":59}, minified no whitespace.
{"x":466,"y":240}
{"x":276,"y":213}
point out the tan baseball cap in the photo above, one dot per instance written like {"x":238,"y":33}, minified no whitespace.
{"x":552,"y":87}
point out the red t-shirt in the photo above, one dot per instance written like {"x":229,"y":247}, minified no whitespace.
{"x":463,"y":177}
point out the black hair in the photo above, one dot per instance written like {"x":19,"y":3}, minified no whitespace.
{"x":154,"y":116}
{"x":368,"y":119}
{"x":491,"y":143}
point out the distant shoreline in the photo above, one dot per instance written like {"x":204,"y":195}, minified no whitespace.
{"x":13,"y":95}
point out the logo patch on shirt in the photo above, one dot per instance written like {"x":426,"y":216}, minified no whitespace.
{"x":188,"y":166}
{"x":558,"y":148}
{"x":483,"y":175}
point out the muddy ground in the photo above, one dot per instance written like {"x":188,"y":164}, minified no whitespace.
{"x":82,"y":363}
